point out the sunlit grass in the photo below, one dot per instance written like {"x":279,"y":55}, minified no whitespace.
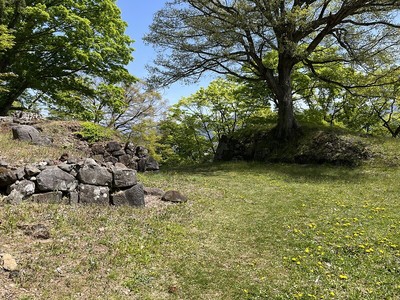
{"x":249,"y":231}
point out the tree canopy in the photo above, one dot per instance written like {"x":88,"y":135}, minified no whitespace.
{"x":235,"y":36}
{"x":62,"y":46}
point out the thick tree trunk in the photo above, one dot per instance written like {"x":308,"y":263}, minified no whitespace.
{"x":287,"y":125}
{"x":8,"y":98}
{"x":5,"y":107}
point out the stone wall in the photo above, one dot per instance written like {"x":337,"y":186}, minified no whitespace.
{"x":134,"y":157}
{"x":72,"y":181}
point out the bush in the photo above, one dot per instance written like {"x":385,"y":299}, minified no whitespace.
{"x":92,"y":132}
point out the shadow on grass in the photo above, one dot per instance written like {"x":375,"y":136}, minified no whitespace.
{"x":287,"y":172}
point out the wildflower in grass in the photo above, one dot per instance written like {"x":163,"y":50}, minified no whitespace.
{"x":369,"y":250}
{"x":312,"y":225}
{"x":331,"y":294}
{"x":298,"y":295}
{"x":343,"y":277}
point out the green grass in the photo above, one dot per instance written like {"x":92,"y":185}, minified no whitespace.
{"x":249,"y":231}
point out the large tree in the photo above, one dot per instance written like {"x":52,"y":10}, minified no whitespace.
{"x":62,"y":46}
{"x":234,"y":37}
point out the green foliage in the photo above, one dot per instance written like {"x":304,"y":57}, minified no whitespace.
{"x":267,"y":40}
{"x":62,"y":47}
{"x":196,"y":123}
{"x":6,"y":42}
{"x":92,"y":132}
{"x":91,"y":107}
{"x":147,"y":134}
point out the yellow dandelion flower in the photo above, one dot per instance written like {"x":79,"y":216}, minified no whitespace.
{"x":343,"y":277}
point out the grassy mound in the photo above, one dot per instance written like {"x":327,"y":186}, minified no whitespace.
{"x":314,"y":145}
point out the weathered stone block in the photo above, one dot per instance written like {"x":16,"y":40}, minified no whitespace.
{"x":133,"y":197}
{"x":92,"y":194}
{"x":55,"y":179}
{"x":50,"y":197}
{"x":95,"y":175}
{"x":124,"y":178}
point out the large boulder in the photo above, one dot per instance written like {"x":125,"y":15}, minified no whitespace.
{"x":92,"y":173}
{"x":133,"y":197}
{"x":55,"y":179}
{"x":29,"y":134}
{"x":92,"y":194}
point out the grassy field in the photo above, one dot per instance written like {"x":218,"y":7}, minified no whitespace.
{"x":249,"y":231}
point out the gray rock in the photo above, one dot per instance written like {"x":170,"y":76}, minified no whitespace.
{"x":73,"y":197}
{"x":3,"y":163}
{"x":66,"y":167}
{"x":141,"y":151}
{"x":31,"y":170}
{"x":125,"y":159}
{"x":130,"y":147}
{"x":50,"y":197}
{"x":92,"y":194}
{"x":113,"y":146}
{"x":110,"y":159}
{"x":55,"y":179}
{"x":133,"y":197}
{"x":95,"y":175}
{"x":24,"y":187}
{"x":118,"y":153}
{"x":98,"y":158}
{"x":173,"y":196}
{"x":153,"y":191}
{"x":119,"y":165}
{"x":98,"y":149}
{"x":151,"y":164}
{"x":20,"y":173}
{"x":124,"y":178}
{"x":7,"y":177}
{"x":14,"y":197}
{"x":42,"y":165}
{"x":29,"y":134}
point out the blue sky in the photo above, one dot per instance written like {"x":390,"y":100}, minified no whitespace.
{"x":139,"y":15}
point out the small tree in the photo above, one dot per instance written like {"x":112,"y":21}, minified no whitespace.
{"x":196,"y":124}
{"x":234,"y":36}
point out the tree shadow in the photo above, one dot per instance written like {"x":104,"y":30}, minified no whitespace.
{"x":285,"y":172}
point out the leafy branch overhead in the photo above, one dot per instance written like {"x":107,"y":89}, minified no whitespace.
{"x":62,"y":46}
